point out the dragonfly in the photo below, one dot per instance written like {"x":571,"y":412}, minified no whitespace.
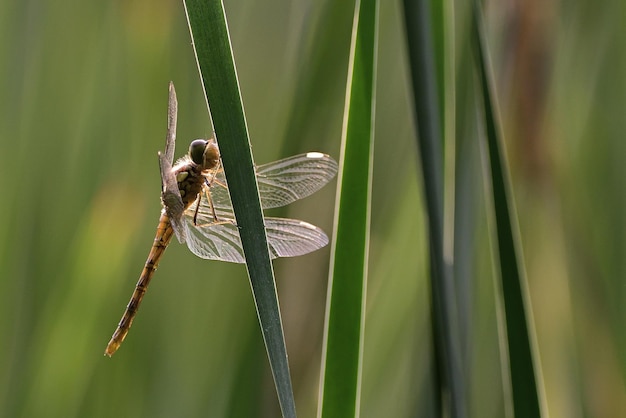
{"x":196,"y":207}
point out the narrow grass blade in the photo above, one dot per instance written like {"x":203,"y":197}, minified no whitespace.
{"x":423,"y":60}
{"x":343,"y":340}
{"x":468,"y":189}
{"x":524,"y":387}
{"x":209,"y":32}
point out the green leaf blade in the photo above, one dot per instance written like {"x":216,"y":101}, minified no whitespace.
{"x":346,"y":298}
{"x":211,"y":40}
{"x":427,"y":78}
{"x":524,"y":383}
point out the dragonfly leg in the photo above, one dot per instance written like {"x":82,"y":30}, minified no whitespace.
{"x":224,"y":222}
{"x":216,"y":221}
{"x":209,"y":184}
{"x":208,"y":197}
{"x":195,"y":214}
{"x":215,"y":170}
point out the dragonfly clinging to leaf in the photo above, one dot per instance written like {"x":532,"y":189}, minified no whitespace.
{"x":197,"y":209}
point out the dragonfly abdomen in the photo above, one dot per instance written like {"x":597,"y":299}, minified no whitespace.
{"x":161,"y":240}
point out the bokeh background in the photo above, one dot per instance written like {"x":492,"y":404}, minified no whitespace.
{"x":83,"y":88}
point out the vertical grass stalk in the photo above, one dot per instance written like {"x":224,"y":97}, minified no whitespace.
{"x":211,"y":41}
{"x":427,"y":98}
{"x":524,"y":384}
{"x":343,"y":334}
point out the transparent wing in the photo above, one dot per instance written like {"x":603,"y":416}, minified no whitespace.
{"x":172,"y":115}
{"x":170,"y":195}
{"x":214,"y":241}
{"x":293,"y":237}
{"x":284,"y":181}
{"x":220,"y":240}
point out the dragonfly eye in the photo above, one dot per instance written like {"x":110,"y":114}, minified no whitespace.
{"x":196,"y":150}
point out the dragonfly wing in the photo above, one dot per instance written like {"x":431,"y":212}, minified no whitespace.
{"x":211,"y":239}
{"x":179,"y":229}
{"x":293,"y":237}
{"x":172,"y":114}
{"x":170,"y":196}
{"x":214,"y":241}
{"x":220,"y":240}
{"x":284,"y":181}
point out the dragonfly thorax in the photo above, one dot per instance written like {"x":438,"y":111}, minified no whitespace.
{"x":190,"y":180}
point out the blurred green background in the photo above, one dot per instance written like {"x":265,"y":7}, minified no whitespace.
{"x":84,"y":99}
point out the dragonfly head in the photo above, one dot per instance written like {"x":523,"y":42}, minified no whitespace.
{"x":204,"y":153}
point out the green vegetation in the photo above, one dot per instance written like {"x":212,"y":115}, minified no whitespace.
{"x":84,"y":114}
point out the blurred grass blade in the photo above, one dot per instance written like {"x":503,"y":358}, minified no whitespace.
{"x":426,"y":96}
{"x":468,"y":189}
{"x":345,"y":311}
{"x":522,"y":368}
{"x":211,"y":41}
